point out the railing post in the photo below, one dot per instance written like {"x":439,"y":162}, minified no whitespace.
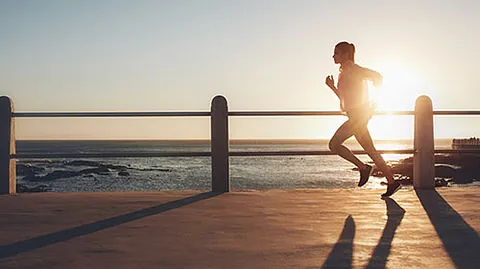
{"x":7,"y":147}
{"x":424,"y":146}
{"x":219,"y":144}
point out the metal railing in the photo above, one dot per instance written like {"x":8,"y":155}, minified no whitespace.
{"x":219,"y":114}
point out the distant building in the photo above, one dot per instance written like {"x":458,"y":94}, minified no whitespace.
{"x":466,"y":143}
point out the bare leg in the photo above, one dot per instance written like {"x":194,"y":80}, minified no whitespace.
{"x":363,"y":137}
{"x":345,"y":131}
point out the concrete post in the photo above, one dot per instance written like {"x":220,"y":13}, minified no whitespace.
{"x":423,"y":144}
{"x":219,"y":144}
{"x":7,"y":147}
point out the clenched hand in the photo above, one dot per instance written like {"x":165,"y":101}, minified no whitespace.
{"x":330,"y":81}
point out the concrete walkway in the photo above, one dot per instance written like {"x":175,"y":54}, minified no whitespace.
{"x":253,"y":229}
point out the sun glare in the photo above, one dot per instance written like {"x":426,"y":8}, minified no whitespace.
{"x":399,"y":91}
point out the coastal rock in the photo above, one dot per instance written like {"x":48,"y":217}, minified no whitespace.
{"x":95,"y":164}
{"x":40,"y":188}
{"x":445,"y":171}
{"x":81,"y":163}
{"x":98,"y":170}
{"x":57,"y":174}
{"x":440,"y":182}
{"x":21,"y":188}
{"x":30,"y":172}
{"x":463,"y":178}
{"x":123,"y":173}
{"x":460,"y":169}
{"x":155,"y":169}
{"x":31,"y":178}
{"x":28,"y":169}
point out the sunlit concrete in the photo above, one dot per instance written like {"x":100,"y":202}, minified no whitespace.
{"x":249,"y":229}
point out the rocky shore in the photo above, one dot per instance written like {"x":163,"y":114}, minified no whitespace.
{"x":39,"y":176}
{"x":449,"y":169}
{"x":32,"y":173}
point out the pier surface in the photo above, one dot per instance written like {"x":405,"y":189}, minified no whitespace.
{"x":348,"y":228}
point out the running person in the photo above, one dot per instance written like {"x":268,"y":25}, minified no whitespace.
{"x":352,"y":90}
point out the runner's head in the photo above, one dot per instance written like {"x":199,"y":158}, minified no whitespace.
{"x":344,"y":52}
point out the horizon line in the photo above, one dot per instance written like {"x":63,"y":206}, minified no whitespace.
{"x":206,"y":140}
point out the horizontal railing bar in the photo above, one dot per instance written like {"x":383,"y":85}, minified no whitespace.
{"x":327,"y":152}
{"x":460,"y":151}
{"x":109,"y":155}
{"x":185,"y":114}
{"x":312,"y":152}
{"x":108,"y":114}
{"x":207,"y":154}
{"x":457,"y":112}
{"x":285,"y":113}
{"x":186,"y":154}
{"x":308,"y":113}
{"x":338,"y":113}
{"x":230,"y":113}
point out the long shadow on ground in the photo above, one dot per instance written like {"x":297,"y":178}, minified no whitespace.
{"x":64,"y":235}
{"x":380,"y":255}
{"x":341,"y":255}
{"x":459,"y":239}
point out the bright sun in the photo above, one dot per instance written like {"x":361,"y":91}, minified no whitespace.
{"x":399,"y":91}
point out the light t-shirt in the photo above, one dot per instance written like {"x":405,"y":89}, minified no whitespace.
{"x":353,"y":88}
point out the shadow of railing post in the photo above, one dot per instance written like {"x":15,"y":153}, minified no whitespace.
{"x":41,"y":241}
{"x":219,"y":144}
{"x":459,"y":239}
{"x":8,"y":181}
{"x":424,"y":145}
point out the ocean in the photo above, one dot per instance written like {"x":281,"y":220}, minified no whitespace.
{"x":193,"y":173}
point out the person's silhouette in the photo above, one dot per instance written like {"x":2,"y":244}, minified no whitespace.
{"x":352,"y":90}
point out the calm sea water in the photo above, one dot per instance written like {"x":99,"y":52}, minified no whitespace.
{"x":194,"y":173}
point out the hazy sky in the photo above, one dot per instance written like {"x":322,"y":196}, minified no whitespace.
{"x":262,"y":55}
